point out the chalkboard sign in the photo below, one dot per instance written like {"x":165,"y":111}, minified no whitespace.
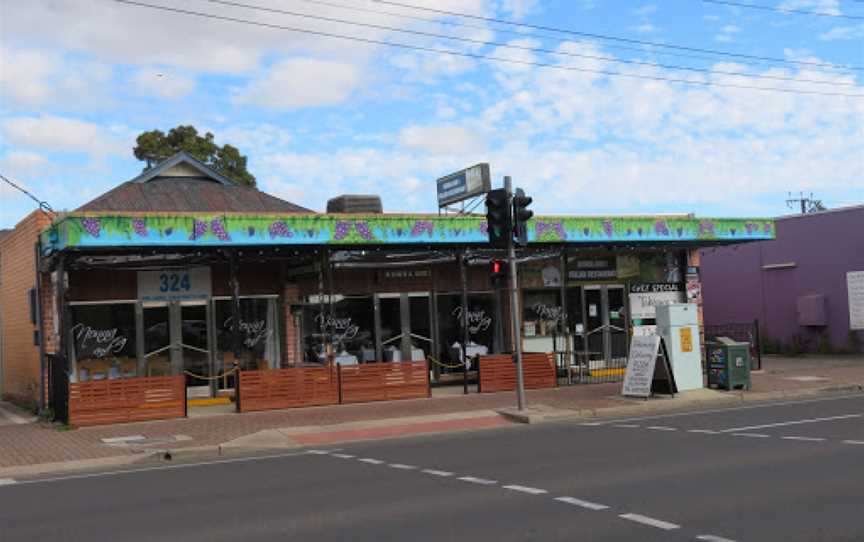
{"x":644,"y":375}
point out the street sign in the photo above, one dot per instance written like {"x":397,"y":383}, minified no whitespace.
{"x":464,"y":184}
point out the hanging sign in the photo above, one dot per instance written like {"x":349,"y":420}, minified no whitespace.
{"x":643,"y":375}
{"x":645,"y":297}
{"x":464,"y":184}
{"x":174,"y":284}
{"x":855,"y":288}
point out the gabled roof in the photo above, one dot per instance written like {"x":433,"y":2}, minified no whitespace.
{"x":184,"y":184}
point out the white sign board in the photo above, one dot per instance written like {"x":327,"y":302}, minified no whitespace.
{"x":855,"y":287}
{"x":174,"y":284}
{"x":644,"y":298}
{"x":640,"y":365}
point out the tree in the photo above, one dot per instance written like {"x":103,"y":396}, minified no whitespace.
{"x":155,"y":146}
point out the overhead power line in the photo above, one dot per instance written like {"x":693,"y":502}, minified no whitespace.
{"x":652,"y":47}
{"x":477,"y":56}
{"x":527,"y":48}
{"x":42,"y":204}
{"x":783,"y":10}
{"x":605,"y":37}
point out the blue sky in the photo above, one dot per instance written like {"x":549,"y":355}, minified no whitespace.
{"x":318,"y":117}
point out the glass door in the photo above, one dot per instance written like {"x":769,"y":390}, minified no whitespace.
{"x":420,"y":326}
{"x":194,"y":348}
{"x":616,"y":299}
{"x":390,"y":306}
{"x":157,"y":340}
{"x":594,"y":328}
{"x":605,"y":326}
{"x":405,"y":326}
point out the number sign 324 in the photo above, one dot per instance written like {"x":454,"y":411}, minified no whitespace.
{"x":174,"y":282}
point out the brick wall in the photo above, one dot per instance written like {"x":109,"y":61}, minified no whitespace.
{"x":17,"y":277}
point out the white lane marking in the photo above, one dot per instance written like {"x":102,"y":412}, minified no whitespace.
{"x":626,"y":425}
{"x":702,"y":431}
{"x":853,"y":442}
{"x":584,"y":504}
{"x":793,"y":422}
{"x":712,"y":538}
{"x":526,"y":489}
{"x":344,"y":456}
{"x":661,"y":428}
{"x":161,"y":467}
{"x":318,"y":452}
{"x":806,"y":439}
{"x":592,"y":424}
{"x":481,"y":481}
{"x":401,"y":466}
{"x":435,"y":472}
{"x":733,"y":409}
{"x":752,"y":435}
{"x":7,"y":481}
{"x":645,"y":520}
{"x":371,"y":461}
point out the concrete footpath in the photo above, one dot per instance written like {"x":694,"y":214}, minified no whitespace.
{"x":38,"y":448}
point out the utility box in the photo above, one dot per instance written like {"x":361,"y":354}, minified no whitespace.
{"x":728,"y":364}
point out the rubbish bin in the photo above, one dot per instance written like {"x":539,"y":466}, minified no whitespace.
{"x":728,"y":364}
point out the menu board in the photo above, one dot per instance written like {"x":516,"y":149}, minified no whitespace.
{"x":855,"y":287}
{"x":640,"y":365}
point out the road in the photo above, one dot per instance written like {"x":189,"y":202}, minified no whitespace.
{"x":784,"y":472}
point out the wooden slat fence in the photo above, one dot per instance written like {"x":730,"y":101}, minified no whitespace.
{"x":498,"y":372}
{"x":384,"y":381}
{"x":126,"y":400}
{"x":286,"y":388}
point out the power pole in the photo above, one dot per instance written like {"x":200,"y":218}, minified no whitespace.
{"x":808,"y":204}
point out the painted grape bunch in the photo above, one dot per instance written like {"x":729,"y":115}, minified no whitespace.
{"x":218,"y":228}
{"x":484,"y":228}
{"x":279,"y":229}
{"x":559,"y":229}
{"x":343,"y":228}
{"x":92,"y":225}
{"x":422,"y":225}
{"x":199,"y":228}
{"x":749,"y":226}
{"x":706,"y":227}
{"x":139,"y":226}
{"x":660,"y":228}
{"x":608,"y":228}
{"x":540,"y":228}
{"x":363,"y":229}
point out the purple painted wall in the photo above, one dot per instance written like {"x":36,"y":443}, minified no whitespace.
{"x":766,"y":279}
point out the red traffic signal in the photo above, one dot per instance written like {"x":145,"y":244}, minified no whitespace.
{"x":498,"y":274}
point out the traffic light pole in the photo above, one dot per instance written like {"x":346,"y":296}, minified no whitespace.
{"x":516,"y":315}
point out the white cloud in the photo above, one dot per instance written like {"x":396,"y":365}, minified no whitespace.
{"x":302,"y":82}
{"x":441,"y":138}
{"x":645,"y":10}
{"x":52,"y":133}
{"x":843,"y":33}
{"x":831,"y":7}
{"x":518,"y":9}
{"x":32,"y":77}
{"x":645,"y":28}
{"x":162,"y":83}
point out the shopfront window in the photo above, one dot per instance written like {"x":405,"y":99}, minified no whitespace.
{"x":103,"y":341}
{"x":349,"y":328}
{"x":542,"y":313}
{"x":259,"y":345}
{"x":481,"y":327}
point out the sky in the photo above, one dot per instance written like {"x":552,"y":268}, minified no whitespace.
{"x":591,"y":106}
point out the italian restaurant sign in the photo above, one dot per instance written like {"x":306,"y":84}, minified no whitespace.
{"x":645,"y":297}
{"x":175,"y":284}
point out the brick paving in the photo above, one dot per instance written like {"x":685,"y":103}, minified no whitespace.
{"x":32,"y":444}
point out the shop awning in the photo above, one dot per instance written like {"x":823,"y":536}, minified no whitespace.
{"x":83,"y":230}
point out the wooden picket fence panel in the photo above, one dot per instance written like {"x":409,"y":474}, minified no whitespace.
{"x":126,"y":400}
{"x":384,"y":381}
{"x":498,"y":372}
{"x":286,"y":388}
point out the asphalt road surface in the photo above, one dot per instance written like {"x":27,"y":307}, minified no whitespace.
{"x":784,"y":472}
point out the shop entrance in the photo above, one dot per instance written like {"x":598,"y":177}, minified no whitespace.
{"x":404,"y":321}
{"x":605,"y":325}
{"x":177,"y":341}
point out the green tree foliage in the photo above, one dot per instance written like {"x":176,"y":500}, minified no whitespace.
{"x":155,"y":146}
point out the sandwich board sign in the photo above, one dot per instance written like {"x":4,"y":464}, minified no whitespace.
{"x":644,"y":375}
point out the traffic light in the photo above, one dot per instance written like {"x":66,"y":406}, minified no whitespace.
{"x":498,"y":218}
{"x":498,"y":274}
{"x":521,"y":215}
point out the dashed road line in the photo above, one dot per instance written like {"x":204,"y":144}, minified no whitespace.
{"x":526,"y":489}
{"x":344,"y":456}
{"x":645,"y":520}
{"x":592,"y":424}
{"x":661,"y":428}
{"x":475,"y":480}
{"x":805,"y":439}
{"x":751,"y":435}
{"x":318,"y":452}
{"x":435,"y":472}
{"x":626,"y":425}
{"x":793,"y":422}
{"x":401,"y":466}
{"x":7,"y":481}
{"x":584,"y":504}
{"x":703,"y":431}
{"x":853,"y":442}
{"x":371,"y":461}
{"x":712,"y":538}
